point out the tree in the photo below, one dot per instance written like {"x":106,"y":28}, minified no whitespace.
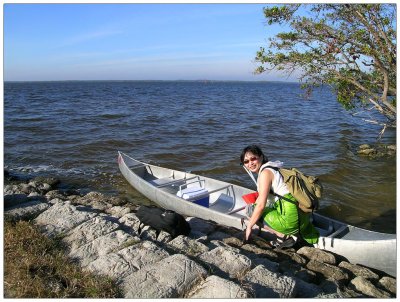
{"x":350,"y":47}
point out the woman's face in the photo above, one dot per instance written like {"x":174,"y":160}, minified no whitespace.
{"x":252,"y":162}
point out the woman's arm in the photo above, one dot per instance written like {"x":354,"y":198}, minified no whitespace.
{"x":265,"y":183}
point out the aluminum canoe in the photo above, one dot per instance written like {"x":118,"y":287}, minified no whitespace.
{"x":161,"y":185}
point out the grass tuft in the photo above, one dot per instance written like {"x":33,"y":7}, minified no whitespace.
{"x":36,"y":266}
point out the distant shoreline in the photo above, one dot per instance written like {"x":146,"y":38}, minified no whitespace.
{"x":156,"y":81}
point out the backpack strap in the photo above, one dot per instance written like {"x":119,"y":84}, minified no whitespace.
{"x":288,"y":200}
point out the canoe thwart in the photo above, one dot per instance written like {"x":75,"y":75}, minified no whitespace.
{"x":338,"y":232}
{"x":165,"y":182}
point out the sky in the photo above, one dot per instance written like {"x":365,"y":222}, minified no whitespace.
{"x":134,"y":41}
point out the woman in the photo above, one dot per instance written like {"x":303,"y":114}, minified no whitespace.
{"x":280,"y":217}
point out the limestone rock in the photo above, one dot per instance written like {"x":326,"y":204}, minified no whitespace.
{"x":200,"y":225}
{"x":62,"y":217}
{"x":128,"y":260}
{"x":118,"y":211}
{"x":130,"y":220}
{"x":306,"y":275}
{"x":253,"y":249}
{"x":357,"y":270}
{"x":306,"y":290}
{"x":218,"y":235}
{"x":289,"y":267}
{"x":171,"y":277}
{"x":89,"y":231}
{"x":217,"y":243}
{"x":12,"y":200}
{"x":328,"y":271}
{"x":103,"y":245}
{"x":389,"y":284}
{"x":187,"y":246}
{"x":25,"y":211}
{"x":367,"y":288}
{"x":227,"y":262}
{"x":267,"y":284}
{"x":317,"y":254}
{"x":215,"y":287}
{"x":268,"y":264}
{"x":55,"y":194}
{"x":51,"y":181}
{"x":15,"y":200}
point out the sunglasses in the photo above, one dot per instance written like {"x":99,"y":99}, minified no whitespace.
{"x":246,"y":161}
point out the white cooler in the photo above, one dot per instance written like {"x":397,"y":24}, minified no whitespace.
{"x":191,"y":193}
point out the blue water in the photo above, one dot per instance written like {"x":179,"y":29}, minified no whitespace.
{"x":73,"y":130}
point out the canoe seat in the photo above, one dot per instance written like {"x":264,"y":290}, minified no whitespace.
{"x":223,"y":204}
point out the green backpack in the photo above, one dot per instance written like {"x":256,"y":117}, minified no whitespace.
{"x":305,"y":189}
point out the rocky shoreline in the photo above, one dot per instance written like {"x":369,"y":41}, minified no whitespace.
{"x":101,"y":234}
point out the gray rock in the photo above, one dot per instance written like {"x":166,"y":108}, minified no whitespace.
{"x":148,"y":233}
{"x":198,"y":236}
{"x":227,"y":262}
{"x":357,"y":270}
{"x":34,"y":194}
{"x":143,"y":253}
{"x":112,"y":265}
{"x":61,"y":218}
{"x":187,"y":246}
{"x":200,"y":225}
{"x":99,"y":201}
{"x":12,"y":200}
{"x":389,"y":284}
{"x":298,"y":259}
{"x":331,"y":287}
{"x":306,"y":275}
{"x":89,"y":231}
{"x":267,"y":284}
{"x":95,"y":200}
{"x":130,"y":220}
{"x":328,"y":271}
{"x":51,"y":181}
{"x":367,"y":151}
{"x":55,"y":194}
{"x":101,"y":246}
{"x":8,"y":190}
{"x":306,"y":290}
{"x":317,"y":254}
{"x":25,"y":188}
{"x":367,"y":288}
{"x":25,"y":211}
{"x":268,"y":264}
{"x":289,"y":267}
{"x":17,"y":189}
{"x":215,"y":287}
{"x":171,"y":277}
{"x":253,"y":249}
{"x":364,"y":146}
{"x":218,"y":235}
{"x":233,"y":241}
{"x":128,"y":260}
{"x":164,"y":237}
{"x":118,"y":211}
{"x":217,"y":243}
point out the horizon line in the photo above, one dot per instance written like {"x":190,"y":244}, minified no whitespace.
{"x":200,"y":80}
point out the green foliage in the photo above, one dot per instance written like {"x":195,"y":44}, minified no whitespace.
{"x":351,"y":47}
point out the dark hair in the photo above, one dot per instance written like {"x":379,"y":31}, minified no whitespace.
{"x":256,"y":150}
